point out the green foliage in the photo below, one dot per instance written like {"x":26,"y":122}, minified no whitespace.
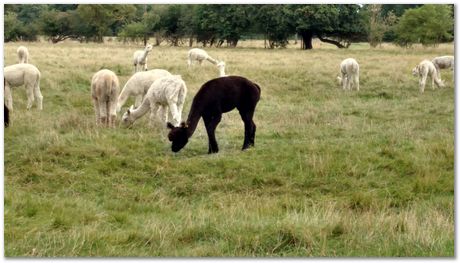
{"x":101,"y":17}
{"x":377,"y":23}
{"x":428,"y":25}
{"x":12,"y":27}
{"x":331,"y":23}
{"x":276,"y":21}
{"x":134,"y":31}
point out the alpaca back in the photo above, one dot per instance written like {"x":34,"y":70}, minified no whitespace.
{"x":167,"y":89}
{"x":105,"y":86}
{"x":20,"y":74}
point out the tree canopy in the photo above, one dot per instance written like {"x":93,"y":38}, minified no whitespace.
{"x":219,"y":24}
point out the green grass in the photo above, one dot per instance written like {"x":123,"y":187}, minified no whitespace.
{"x":334,"y":173}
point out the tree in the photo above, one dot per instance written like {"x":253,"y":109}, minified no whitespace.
{"x":334,"y":24}
{"x":13,"y":27}
{"x":101,"y":17}
{"x":428,"y":25}
{"x":275,"y":21}
{"x":378,"y":24}
{"x":57,"y":25}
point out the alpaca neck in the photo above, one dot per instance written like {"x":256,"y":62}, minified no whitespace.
{"x":192,"y":120}
{"x":222,"y":71}
{"x":123,"y":97}
{"x":210,"y":59}
{"x":141,"y":110}
{"x":144,"y":55}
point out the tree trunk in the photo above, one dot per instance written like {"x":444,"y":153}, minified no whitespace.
{"x":307,"y":37}
{"x":330,"y":41}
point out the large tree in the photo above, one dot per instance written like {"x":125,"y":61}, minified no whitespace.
{"x":276,"y":23}
{"x":428,"y":25}
{"x":100,"y":17}
{"x":337,"y":24}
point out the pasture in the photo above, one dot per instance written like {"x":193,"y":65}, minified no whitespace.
{"x":333,"y":173}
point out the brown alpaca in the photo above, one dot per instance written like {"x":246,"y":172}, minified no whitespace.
{"x":215,"y":97}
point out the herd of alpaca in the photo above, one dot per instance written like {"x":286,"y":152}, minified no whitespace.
{"x":163,"y":94}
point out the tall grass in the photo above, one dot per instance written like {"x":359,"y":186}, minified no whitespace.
{"x":334,"y":173}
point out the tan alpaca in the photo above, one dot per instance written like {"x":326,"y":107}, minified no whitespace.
{"x":104,"y":92}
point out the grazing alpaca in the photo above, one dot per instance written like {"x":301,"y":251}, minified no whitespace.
{"x":23,"y":54}
{"x":140,"y":58}
{"x":197,"y":54}
{"x":215,"y":97}
{"x":221,"y":67}
{"x":424,"y":69}
{"x":104,"y":92}
{"x":167,"y":92}
{"x":23,"y":74}
{"x":349,"y":68}
{"x":138,"y":85}
{"x":443,"y":62}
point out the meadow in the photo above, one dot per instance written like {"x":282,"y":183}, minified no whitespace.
{"x":333,"y":173}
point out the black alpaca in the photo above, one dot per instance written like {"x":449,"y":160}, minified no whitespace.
{"x":215,"y":97}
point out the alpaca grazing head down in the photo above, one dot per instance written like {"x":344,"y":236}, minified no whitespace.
{"x":178,"y":136}
{"x":127,"y":120}
{"x":415,"y":70}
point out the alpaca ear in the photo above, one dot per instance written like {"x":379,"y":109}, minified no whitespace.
{"x":184,"y":125}
{"x":169,"y":125}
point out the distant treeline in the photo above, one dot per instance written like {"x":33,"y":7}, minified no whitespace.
{"x":224,"y":25}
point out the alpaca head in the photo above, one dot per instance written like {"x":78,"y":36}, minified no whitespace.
{"x":415,"y":71}
{"x":339,"y":80}
{"x":127,"y":120}
{"x":178,"y":136}
{"x":148,"y":47}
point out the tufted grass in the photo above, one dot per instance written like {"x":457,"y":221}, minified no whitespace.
{"x":333,"y":174}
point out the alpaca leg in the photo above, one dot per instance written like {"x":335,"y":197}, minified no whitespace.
{"x":8,"y":97}
{"x":356,"y":81}
{"x":145,"y":65}
{"x":211,"y":123}
{"x":153,"y":113}
{"x":422,"y":83}
{"x":432,"y":81}
{"x":189,"y":62}
{"x":344,"y":81}
{"x":112,"y":113}
{"x":176,"y":116}
{"x":39,"y":96}
{"x":102,"y":112}
{"x":30,"y":96}
{"x":96,"y":111}
{"x":249,"y":128}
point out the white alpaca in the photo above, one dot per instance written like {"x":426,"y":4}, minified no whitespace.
{"x":140,"y":58}
{"x":197,"y":54}
{"x":221,"y":67}
{"x":167,"y":92}
{"x":349,"y":68}
{"x":138,"y":85}
{"x":424,"y":69}
{"x":443,"y":62}
{"x":104,"y":92}
{"x":23,"y":54}
{"x":23,"y":74}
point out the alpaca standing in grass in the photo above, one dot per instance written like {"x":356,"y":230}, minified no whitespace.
{"x":138,"y":85}
{"x":198,"y":54}
{"x":349,"y":69}
{"x":221,"y":67}
{"x":443,"y":62}
{"x":423,"y":70}
{"x":215,"y":97}
{"x":23,"y":74}
{"x":166,"y":92}
{"x":23,"y":54}
{"x":104,"y":92}
{"x":140,"y":58}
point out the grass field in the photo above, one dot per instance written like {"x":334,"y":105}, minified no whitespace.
{"x":334,"y":173}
